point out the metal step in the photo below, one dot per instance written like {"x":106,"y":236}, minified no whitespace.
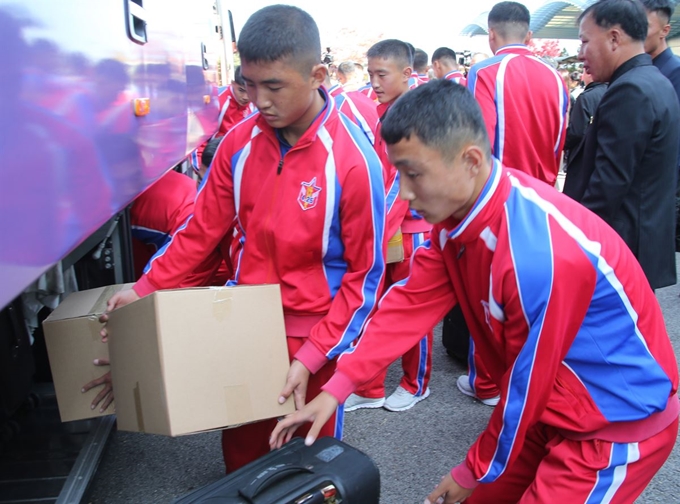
{"x":43,"y":460}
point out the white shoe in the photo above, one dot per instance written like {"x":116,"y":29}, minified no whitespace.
{"x":402,"y":399}
{"x":355,"y":402}
{"x":463,"y":384}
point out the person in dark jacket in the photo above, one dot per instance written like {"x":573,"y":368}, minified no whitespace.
{"x":659,"y":14}
{"x":581,"y":116}
{"x":628,"y":171}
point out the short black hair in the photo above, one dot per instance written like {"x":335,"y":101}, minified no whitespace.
{"x":391,"y":49}
{"x":630,"y":15}
{"x":412,"y":51}
{"x":444,"y":53}
{"x":209,"y":152}
{"x":442,"y":114}
{"x":238,"y":78}
{"x":277,"y":32}
{"x":510,"y":19}
{"x":420,"y":60}
{"x":664,"y":8}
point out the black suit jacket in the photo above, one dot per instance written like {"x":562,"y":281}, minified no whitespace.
{"x":581,"y":116}
{"x":626,"y":171}
{"x":669,"y":65}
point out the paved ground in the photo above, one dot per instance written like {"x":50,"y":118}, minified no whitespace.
{"x":412,"y":449}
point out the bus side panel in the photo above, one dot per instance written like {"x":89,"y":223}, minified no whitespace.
{"x":74,"y":151}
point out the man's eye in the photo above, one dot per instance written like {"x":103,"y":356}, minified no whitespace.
{"x":274,"y":89}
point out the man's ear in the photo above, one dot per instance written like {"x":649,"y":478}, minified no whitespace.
{"x":474,"y":158}
{"x":318,"y":75}
{"x":615,"y":37}
{"x":666,"y":30}
{"x":407,"y":72}
{"x":527,"y":39}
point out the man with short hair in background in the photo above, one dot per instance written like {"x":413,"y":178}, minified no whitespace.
{"x":627,"y":172}
{"x":524,"y":104}
{"x":445,"y":66}
{"x":350,"y":75}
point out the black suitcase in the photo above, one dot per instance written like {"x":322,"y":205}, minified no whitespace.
{"x":329,"y":471}
{"x":456,"y":335}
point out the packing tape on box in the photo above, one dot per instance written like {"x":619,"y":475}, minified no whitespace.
{"x":239,"y":407}
{"x":395,"y":248}
{"x":138,"y":407}
{"x":221,"y":305}
{"x":99,"y":306}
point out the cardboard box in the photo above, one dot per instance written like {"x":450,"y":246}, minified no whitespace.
{"x":73,"y":343}
{"x":198,"y":359}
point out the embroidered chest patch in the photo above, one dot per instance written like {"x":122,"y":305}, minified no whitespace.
{"x":309,"y":194}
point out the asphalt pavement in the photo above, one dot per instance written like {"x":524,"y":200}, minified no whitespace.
{"x":413,"y":449}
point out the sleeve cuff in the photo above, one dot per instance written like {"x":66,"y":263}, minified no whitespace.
{"x":462,"y":475}
{"x":144,"y":287}
{"x":311,"y":357}
{"x":339,"y":386}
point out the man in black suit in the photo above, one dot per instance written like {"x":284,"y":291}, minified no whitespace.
{"x":659,"y":14}
{"x":627,"y":172}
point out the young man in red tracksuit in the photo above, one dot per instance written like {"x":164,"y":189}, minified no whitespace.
{"x":420,"y":62}
{"x":523,"y":99}
{"x":445,"y":66}
{"x":161,"y":210}
{"x":524,"y":102}
{"x":416,"y":79}
{"x":234,"y":107}
{"x":557,"y":305}
{"x":389,"y":66}
{"x":305,"y":187}
{"x":157,"y":214}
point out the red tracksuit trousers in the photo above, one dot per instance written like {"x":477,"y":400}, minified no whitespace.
{"x":551,"y":468}
{"x":417,"y":362}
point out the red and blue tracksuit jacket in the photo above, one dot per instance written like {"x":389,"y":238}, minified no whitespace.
{"x":360,"y":109}
{"x":159,"y":212}
{"x":310,"y":220}
{"x":559,"y":309}
{"x":368,"y":91}
{"x":457,"y":77}
{"x":231,"y":112}
{"x":524,"y":102}
{"x":417,"y":80}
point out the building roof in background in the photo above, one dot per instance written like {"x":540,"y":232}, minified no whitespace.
{"x":556,"y":20}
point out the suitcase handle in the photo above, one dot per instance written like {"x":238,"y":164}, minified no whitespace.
{"x":270,"y":476}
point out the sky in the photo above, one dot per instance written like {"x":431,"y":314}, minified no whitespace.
{"x":427,"y":24}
